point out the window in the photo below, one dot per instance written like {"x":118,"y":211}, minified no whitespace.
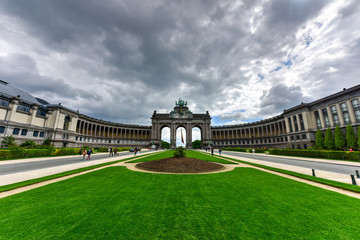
{"x":24,"y":132}
{"x":290,"y":124}
{"x":76,"y":138}
{"x":80,"y":139}
{"x":4,"y":102}
{"x":23,"y":107}
{"x":302,"y":126}
{"x":335,"y":115}
{"x":345,"y":112}
{"x":66,"y":123}
{"x":317,"y":119}
{"x":295,"y":123}
{"x":304,"y":136}
{"x":2,"y":129}
{"x":16,"y":131}
{"x":326,"y":117}
{"x":292,"y":138}
{"x":297,"y":137}
{"x":356,"y":106}
{"x":41,"y":112}
{"x":42,"y":134}
{"x":36,"y":133}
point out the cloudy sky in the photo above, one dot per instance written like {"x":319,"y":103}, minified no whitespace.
{"x":121,"y":60}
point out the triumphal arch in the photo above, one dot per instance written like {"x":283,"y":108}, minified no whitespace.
{"x":181,"y":116}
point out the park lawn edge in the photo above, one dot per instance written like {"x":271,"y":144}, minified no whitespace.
{"x":285,"y":155}
{"x":62,"y":174}
{"x":345,"y":186}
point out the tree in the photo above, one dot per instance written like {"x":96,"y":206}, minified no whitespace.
{"x":350,"y":137}
{"x":319,"y":141}
{"x":165,"y":144}
{"x":8,"y":141}
{"x":329,"y":140}
{"x":358,"y":137}
{"x":339,"y":138}
{"x":196,"y":144}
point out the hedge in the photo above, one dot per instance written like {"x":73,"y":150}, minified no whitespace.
{"x":257,"y":150}
{"x":105,"y":149}
{"x":14,"y":153}
{"x":338,"y":155}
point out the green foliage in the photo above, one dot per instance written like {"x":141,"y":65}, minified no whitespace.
{"x":338,"y":155}
{"x":28,"y":144}
{"x":165,"y":145}
{"x":17,"y":152}
{"x":196,"y":144}
{"x":179,"y":152}
{"x":339,"y":138}
{"x":47,"y":142}
{"x":329,"y":140}
{"x":350,"y":137}
{"x":104,"y":149}
{"x":319,"y":141}
{"x":8,"y":141}
{"x":257,"y":150}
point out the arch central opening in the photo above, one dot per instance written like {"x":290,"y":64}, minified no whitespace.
{"x":196,"y":138}
{"x":180,"y":137}
{"x":165,"y":138}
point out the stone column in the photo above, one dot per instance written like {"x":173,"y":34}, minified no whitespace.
{"x":322,"y":120}
{"x":351,"y":111}
{"x":330,"y":116}
{"x":340,"y":115}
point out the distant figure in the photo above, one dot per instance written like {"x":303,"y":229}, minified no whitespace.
{"x":253,"y":151}
{"x":115,"y":152}
{"x":135,"y":151}
{"x":84,"y":153}
{"x":212,"y":151}
{"x":89,"y":153}
{"x":111,"y":152}
{"x":80,"y":151}
{"x":220,"y":152}
{"x":351,"y":150}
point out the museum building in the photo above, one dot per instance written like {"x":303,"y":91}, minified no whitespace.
{"x":29,"y":118}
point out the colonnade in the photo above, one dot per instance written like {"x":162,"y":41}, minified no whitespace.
{"x":265,"y":130}
{"x":106,"y":131}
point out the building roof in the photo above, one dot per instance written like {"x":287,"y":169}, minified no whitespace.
{"x":9,"y":91}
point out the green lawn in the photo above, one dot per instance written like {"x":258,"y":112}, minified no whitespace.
{"x":116,"y":203}
{"x":189,"y":153}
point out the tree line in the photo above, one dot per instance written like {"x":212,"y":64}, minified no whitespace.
{"x":338,"y":142}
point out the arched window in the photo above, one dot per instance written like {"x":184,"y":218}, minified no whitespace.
{"x":66,"y":123}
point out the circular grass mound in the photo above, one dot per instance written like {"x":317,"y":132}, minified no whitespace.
{"x":179,"y":165}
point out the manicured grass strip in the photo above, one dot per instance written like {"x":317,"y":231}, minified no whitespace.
{"x":115,"y":203}
{"x":189,"y":154}
{"x":58,"y":175}
{"x":332,"y":183}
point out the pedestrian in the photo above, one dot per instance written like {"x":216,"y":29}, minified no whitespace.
{"x":135,"y":151}
{"x":84,"y":153}
{"x":115,"y":152}
{"x":89,"y":153}
{"x":351,"y":150}
{"x":220,"y":152}
{"x":111,"y":152}
{"x":80,"y":151}
{"x":212,"y":151}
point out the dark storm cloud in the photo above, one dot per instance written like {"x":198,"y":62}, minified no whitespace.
{"x":281,"y":97}
{"x":120,"y":60}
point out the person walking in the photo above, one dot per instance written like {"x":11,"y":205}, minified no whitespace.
{"x":84,"y":153}
{"x":111,"y":152}
{"x":135,"y":151}
{"x":89,"y":153}
{"x":115,"y":152}
{"x":212,"y":151}
{"x":220,"y":152}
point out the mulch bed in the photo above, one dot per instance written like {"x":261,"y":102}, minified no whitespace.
{"x":179,"y":165}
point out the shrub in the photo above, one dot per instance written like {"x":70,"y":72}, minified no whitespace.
{"x":358,"y":137}
{"x":350,"y":137}
{"x":340,"y":155}
{"x":28,"y":144}
{"x":339,"y":138}
{"x":257,"y":150}
{"x":8,"y":141}
{"x":179,"y":152}
{"x":329,"y":140}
